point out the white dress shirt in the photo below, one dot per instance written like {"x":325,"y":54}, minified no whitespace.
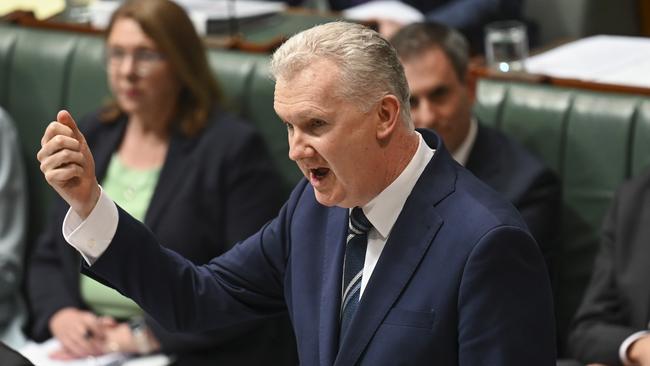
{"x":383,"y":210}
{"x":92,"y":236}
{"x":462,"y":153}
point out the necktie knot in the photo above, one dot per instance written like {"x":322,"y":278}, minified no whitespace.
{"x":359,"y":223}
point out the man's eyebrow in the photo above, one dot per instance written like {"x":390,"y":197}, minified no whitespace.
{"x":438,"y":90}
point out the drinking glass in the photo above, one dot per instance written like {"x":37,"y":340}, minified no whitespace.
{"x":506,"y":46}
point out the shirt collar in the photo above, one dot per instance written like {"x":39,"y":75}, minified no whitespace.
{"x":462,"y":153}
{"x":383,"y":210}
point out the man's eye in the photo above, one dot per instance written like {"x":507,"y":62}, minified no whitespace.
{"x":414,"y":102}
{"x":317,"y":123}
{"x":289,"y":126}
{"x":438,"y":93}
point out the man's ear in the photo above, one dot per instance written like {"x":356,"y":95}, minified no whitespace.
{"x":388,"y":112}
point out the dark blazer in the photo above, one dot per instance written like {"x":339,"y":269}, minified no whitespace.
{"x":214,"y":189}
{"x":617,"y":300}
{"x":11,"y":357}
{"x":460,"y":280}
{"x":524,"y":180}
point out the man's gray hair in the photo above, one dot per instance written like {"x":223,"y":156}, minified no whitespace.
{"x":368,"y":65}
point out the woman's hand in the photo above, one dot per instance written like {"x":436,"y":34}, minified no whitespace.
{"x":80,"y":332}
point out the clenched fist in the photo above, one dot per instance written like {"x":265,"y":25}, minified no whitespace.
{"x":68,"y":165}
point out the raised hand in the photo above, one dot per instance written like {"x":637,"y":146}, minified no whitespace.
{"x":68,"y":165}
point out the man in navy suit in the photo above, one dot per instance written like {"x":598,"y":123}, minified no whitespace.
{"x":448,"y":273}
{"x":435,"y":59}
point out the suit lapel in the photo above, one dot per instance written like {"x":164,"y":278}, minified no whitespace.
{"x":106,"y":145}
{"x":411,"y":236}
{"x":399,"y":259}
{"x":177,"y":156}
{"x":481,"y":160}
{"x":337,"y":224}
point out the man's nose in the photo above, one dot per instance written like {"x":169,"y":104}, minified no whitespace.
{"x":298,"y":147}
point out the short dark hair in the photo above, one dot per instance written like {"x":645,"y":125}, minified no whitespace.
{"x":414,"y":39}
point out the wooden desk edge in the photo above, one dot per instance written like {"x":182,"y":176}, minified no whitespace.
{"x":482,"y":72}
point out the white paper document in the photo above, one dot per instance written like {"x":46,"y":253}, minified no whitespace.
{"x":605,"y":59}
{"x":384,"y":9}
{"x":39,"y":355}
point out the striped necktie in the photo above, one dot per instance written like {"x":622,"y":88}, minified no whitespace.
{"x":355,"y":255}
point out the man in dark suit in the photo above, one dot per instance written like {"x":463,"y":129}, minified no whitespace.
{"x":388,"y":253}
{"x":435,"y":59}
{"x":611,"y":324}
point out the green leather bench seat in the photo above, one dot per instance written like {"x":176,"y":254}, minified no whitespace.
{"x":43,"y":71}
{"x":36,"y":90}
{"x":594,"y":141}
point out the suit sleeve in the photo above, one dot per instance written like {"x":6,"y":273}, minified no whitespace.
{"x":599,"y":326}
{"x":244,"y":284}
{"x":505,"y":303}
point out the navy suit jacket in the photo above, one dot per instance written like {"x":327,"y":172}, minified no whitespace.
{"x":525,"y":181}
{"x":460,"y":280}
{"x":206,"y":199}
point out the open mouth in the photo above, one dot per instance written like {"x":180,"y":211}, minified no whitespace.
{"x":318,"y":173}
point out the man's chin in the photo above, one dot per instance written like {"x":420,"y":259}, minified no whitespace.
{"x":324,"y":199}
{"x":332,"y":200}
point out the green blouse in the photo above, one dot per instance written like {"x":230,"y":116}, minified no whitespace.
{"x":132,"y":190}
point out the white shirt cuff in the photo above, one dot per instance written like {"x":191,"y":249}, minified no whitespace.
{"x":622,"y":350}
{"x":91,"y":236}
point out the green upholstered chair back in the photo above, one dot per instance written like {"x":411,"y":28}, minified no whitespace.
{"x":594,"y":141}
{"x":43,"y":71}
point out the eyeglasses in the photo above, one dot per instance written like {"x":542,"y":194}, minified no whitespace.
{"x":144,"y":60}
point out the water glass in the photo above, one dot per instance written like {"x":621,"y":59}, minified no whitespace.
{"x":506,"y":46}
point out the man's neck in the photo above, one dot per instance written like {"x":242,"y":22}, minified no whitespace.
{"x":400,"y":156}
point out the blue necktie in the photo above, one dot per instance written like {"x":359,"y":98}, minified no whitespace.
{"x":355,"y":256}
